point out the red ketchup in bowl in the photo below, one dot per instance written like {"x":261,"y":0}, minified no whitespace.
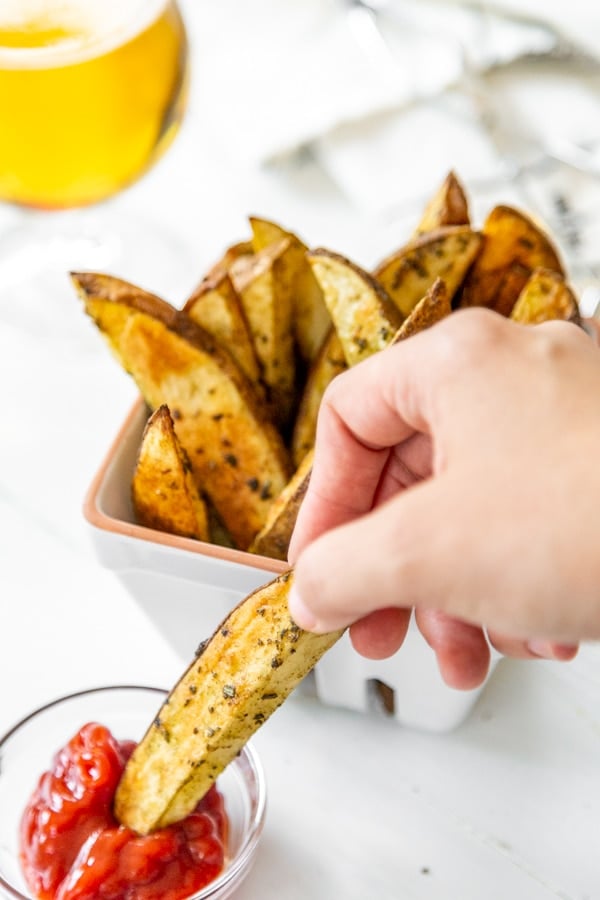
{"x":72,"y":847}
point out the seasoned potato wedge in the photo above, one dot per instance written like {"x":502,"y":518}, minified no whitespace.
{"x":329,"y":363}
{"x":164,"y":493}
{"x":243,"y":674}
{"x":311,"y":320}
{"x":264,"y":284}
{"x":433,"y":307}
{"x":545,"y":296}
{"x":274,"y":538}
{"x":514,"y":246}
{"x":363,"y":315}
{"x":216,"y":306}
{"x":446,"y":253}
{"x":237,"y":456}
{"x":448,"y":206}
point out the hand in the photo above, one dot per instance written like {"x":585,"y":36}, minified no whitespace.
{"x":457,"y":473}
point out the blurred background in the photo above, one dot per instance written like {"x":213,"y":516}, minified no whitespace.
{"x":339,"y":118}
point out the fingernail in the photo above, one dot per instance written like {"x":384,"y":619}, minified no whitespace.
{"x":299,"y":612}
{"x":548,"y":650}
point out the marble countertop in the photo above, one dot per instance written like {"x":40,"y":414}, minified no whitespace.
{"x":507,"y":805}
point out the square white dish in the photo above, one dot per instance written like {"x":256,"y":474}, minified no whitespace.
{"x":187,"y":587}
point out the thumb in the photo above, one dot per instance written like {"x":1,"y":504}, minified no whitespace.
{"x":390,"y":557}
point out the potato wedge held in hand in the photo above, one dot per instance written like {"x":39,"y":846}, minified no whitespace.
{"x":514,"y":246}
{"x":274,"y":538}
{"x":447,"y":253}
{"x":163,"y":491}
{"x":448,"y":206}
{"x":244,"y":673}
{"x":433,"y":307}
{"x":310,"y":319}
{"x":363,"y":315}
{"x":546,"y":296}
{"x":237,"y":456}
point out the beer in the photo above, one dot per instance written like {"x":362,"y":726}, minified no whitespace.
{"x":91,"y":91}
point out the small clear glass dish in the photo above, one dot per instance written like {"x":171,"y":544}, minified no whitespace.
{"x":28,"y":748}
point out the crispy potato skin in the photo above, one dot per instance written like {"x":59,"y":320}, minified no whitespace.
{"x":546,"y":296}
{"x":243,"y":674}
{"x":264,"y":283}
{"x":329,"y":363}
{"x":310,"y":318}
{"x":216,"y":307}
{"x":237,"y":455}
{"x":513,"y":247}
{"x":448,"y":206}
{"x":446,"y":253}
{"x":163,"y":491}
{"x":274,"y":538}
{"x":363,"y":315}
{"x":432,"y":308}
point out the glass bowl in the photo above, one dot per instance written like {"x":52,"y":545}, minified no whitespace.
{"x":28,"y":748}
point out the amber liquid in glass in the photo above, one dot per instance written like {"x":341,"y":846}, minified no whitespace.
{"x":84,"y":112}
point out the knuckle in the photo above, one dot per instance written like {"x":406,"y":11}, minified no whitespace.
{"x":469,"y":336}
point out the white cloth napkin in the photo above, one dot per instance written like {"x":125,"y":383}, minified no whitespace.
{"x":277,"y":76}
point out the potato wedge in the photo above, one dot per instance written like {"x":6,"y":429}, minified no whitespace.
{"x":433,"y":307}
{"x":363,"y":315}
{"x":264,"y":284}
{"x":545,"y":296}
{"x":514,"y":246}
{"x":448,"y":206}
{"x":216,"y":306}
{"x":237,"y":456}
{"x":328,"y":364}
{"x":446,"y":253}
{"x":164,"y":493}
{"x":274,"y":538}
{"x":311,"y":320}
{"x":243,"y":674}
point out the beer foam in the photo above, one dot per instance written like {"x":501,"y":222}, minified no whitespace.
{"x":83,"y":28}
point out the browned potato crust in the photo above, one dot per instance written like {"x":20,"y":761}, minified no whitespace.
{"x":514,"y":246}
{"x":446,"y":253}
{"x":163,"y":491}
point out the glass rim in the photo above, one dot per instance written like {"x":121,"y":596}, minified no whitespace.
{"x":234,"y":865}
{"x":84,"y":46}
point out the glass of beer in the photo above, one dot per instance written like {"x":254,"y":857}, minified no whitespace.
{"x":91,"y":92}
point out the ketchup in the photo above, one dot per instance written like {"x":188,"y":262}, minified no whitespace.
{"x":72,"y":847}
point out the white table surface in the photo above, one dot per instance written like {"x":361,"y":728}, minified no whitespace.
{"x":506,"y":806}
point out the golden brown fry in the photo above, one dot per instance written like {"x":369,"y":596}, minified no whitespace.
{"x":237,"y":456}
{"x":514,"y":246}
{"x":243,"y":674}
{"x":311,"y":321}
{"x":364,"y":317}
{"x":215,"y":306}
{"x":163,"y":491}
{"x":446,"y":253}
{"x":448,"y":206}
{"x":264,"y":285}
{"x":274,"y":538}
{"x":329,"y":363}
{"x":432,"y":308}
{"x":545,"y":296}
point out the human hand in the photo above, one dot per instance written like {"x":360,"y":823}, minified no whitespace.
{"x":456,"y":473}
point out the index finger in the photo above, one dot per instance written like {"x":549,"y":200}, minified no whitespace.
{"x":365,"y":412}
